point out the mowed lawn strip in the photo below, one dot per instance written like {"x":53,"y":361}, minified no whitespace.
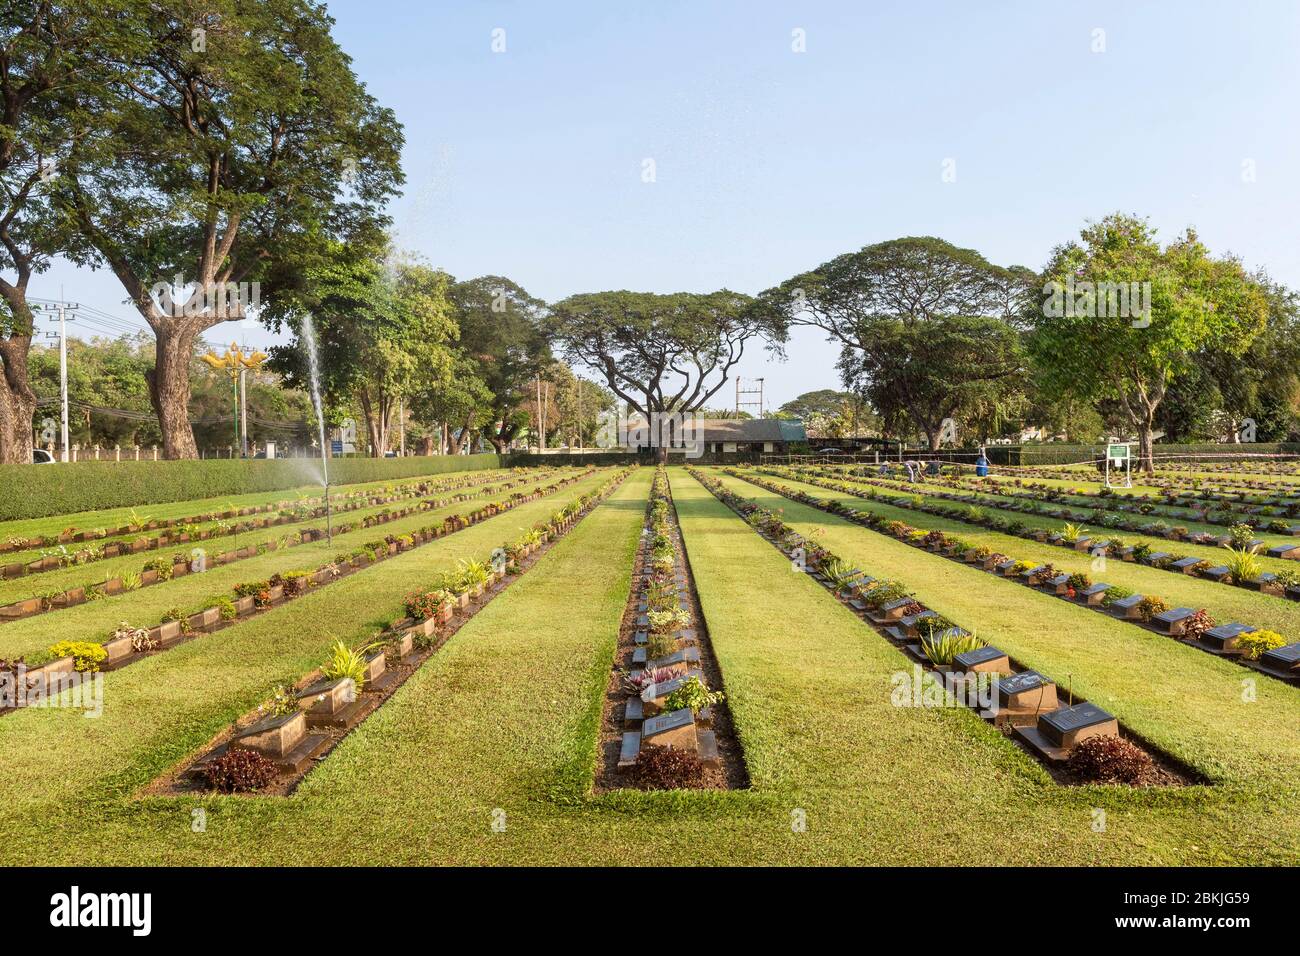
{"x":161,"y":709}
{"x":145,"y":607}
{"x":1227,"y":604}
{"x":504,"y":718}
{"x":1189,"y":702}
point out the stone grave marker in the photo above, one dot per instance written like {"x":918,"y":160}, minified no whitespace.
{"x":1224,"y":636}
{"x":987,"y":659}
{"x":1285,"y":658}
{"x":1067,"y":726}
{"x":674,"y":729}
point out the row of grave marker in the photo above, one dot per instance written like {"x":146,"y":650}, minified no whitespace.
{"x":1282,"y":662}
{"x":1025,"y":701}
{"x":294,"y":741}
{"x":31,"y":606}
{"x":45,"y":680}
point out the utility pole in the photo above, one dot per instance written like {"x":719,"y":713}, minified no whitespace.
{"x":243,"y":413}
{"x":749,"y":391}
{"x":401,"y":425}
{"x":62,"y":308}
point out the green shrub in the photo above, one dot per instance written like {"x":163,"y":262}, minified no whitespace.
{"x":693,"y":694}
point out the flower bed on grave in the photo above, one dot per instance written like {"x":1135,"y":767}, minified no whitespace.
{"x":22,"y":680}
{"x":1195,"y":627}
{"x":300,"y":724}
{"x":295,"y":510}
{"x":665,"y":723}
{"x":158,"y":570}
{"x":1022,"y":702}
{"x":1284,"y":583}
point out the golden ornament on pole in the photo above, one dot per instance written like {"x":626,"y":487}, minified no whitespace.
{"x":236,"y":364}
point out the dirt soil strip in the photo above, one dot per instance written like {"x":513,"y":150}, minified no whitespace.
{"x":180,"y":782}
{"x":731,"y":774}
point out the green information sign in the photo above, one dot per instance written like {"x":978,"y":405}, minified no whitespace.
{"x":1117,"y":453}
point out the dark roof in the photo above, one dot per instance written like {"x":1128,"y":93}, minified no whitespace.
{"x":753,"y":429}
{"x":734,"y":430}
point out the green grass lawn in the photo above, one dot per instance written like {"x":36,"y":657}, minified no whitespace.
{"x":77,"y":575}
{"x":68,"y":776}
{"x":1182,"y":699}
{"x":505,"y":717}
{"x":145,"y":607}
{"x":1224,"y":602}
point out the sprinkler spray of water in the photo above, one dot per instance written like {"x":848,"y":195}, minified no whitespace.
{"x":313,"y":362}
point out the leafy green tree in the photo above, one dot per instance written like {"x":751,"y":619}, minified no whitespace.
{"x":501,"y":332}
{"x":458,"y":403}
{"x":384,"y":333}
{"x":660,"y":353}
{"x":925,"y":327}
{"x":48,"y":53}
{"x":232,"y":144}
{"x":1197,"y":303}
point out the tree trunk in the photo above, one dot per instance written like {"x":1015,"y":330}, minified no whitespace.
{"x":169,"y":388}
{"x":17,"y":402}
{"x":426,"y":446}
{"x":463,"y":446}
{"x":1145,"y":445}
{"x":934,"y":439}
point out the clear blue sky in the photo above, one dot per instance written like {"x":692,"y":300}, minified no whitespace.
{"x":528,"y":163}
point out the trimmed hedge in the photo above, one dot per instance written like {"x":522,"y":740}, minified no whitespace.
{"x":36,"y":491}
{"x":598,"y":458}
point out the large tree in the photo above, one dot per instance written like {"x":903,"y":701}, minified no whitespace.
{"x":501,"y":332}
{"x":661,"y":353}
{"x":234,"y":144}
{"x":48,"y":52}
{"x":1196,"y":302}
{"x":925,"y":327}
{"x":384,"y":333}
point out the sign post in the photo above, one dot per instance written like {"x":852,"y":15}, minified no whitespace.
{"x":1119,"y":455}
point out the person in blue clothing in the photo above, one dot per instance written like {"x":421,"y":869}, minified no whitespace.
{"x":982,"y":465}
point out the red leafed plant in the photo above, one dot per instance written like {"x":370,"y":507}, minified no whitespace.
{"x":666,"y":768}
{"x":1196,"y":625}
{"x":240,"y":771}
{"x":1108,"y":759}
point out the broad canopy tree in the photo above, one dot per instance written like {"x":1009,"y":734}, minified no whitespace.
{"x":502,"y":334}
{"x":384,"y":333}
{"x":232,"y":144}
{"x":48,"y":52}
{"x":660,"y":353}
{"x":925,"y":328}
{"x":1197,"y":303}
